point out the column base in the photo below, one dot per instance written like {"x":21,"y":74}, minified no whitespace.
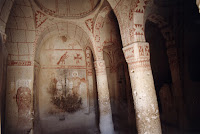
{"x":106,"y":124}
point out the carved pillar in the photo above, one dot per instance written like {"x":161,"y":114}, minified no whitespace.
{"x":114,"y":89}
{"x":131,"y":112}
{"x":106,"y":123}
{"x":145,"y":101}
{"x":89,"y":69}
{"x":3,"y":59}
{"x":114,"y":96}
{"x":113,"y":81}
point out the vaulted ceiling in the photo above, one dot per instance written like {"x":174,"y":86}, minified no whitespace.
{"x":67,"y":8}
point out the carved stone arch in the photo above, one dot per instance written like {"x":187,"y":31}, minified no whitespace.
{"x":97,"y":29}
{"x":89,"y":46}
{"x":20,"y":32}
{"x":130,"y":15}
{"x":88,"y":49}
{"x":6,"y":6}
{"x":114,"y":3}
{"x":69,"y":29}
{"x":18,"y":22}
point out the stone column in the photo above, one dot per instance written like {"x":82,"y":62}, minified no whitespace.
{"x":116,"y":92}
{"x":137,"y":56}
{"x":113,"y":82}
{"x":89,"y":73}
{"x":131,"y":112}
{"x":3,"y":60}
{"x":106,"y":123}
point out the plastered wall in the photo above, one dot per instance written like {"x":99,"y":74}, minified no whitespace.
{"x":20,"y":31}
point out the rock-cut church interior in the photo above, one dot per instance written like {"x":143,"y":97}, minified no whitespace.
{"x":99,"y":66}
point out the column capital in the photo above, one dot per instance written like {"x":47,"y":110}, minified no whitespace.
{"x":3,"y":37}
{"x":100,"y":67}
{"x":137,"y":55}
{"x":136,"y":51}
{"x":99,"y":64}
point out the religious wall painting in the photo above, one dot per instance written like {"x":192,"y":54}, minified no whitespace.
{"x":22,"y":95}
{"x":23,"y":99}
{"x":77,"y":58}
{"x":68,"y":90}
{"x":62,"y":58}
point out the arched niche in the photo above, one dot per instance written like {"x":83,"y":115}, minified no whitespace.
{"x":64,"y":91}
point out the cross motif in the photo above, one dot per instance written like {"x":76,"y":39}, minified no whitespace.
{"x":77,"y":58}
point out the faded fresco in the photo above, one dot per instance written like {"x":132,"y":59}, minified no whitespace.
{"x":24,"y":102}
{"x":23,"y":99}
{"x":66,"y":90}
{"x":19,"y":99}
{"x":63,"y":86}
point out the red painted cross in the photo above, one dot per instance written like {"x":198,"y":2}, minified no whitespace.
{"x":77,"y":58}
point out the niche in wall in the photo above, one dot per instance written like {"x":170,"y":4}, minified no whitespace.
{"x":63,"y":87}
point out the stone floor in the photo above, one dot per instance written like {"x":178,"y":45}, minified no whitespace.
{"x":121,"y":128}
{"x":121,"y":125}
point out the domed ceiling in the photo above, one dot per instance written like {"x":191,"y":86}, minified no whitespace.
{"x":67,"y":8}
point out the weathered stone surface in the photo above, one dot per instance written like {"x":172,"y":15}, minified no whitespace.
{"x":146,"y":107}
{"x":105,"y":113}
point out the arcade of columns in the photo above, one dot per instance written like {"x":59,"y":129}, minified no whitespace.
{"x":130,"y":16}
